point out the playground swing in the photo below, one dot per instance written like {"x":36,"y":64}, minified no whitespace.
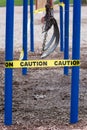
{"x":75,"y":52}
{"x":49,"y":21}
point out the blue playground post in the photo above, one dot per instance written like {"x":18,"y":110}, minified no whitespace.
{"x":9,"y":57}
{"x":9,"y":52}
{"x":61,"y":28}
{"x":31,"y":27}
{"x":75,"y":55}
{"x":25,"y":25}
{"x":66,"y":35}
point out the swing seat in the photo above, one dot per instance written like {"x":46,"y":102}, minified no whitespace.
{"x":55,"y":37}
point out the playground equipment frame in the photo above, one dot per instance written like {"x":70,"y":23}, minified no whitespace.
{"x":75,"y":51}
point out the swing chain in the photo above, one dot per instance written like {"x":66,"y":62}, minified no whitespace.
{"x":46,"y":25}
{"x":45,"y":39}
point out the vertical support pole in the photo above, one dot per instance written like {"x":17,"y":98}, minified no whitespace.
{"x":51,"y":2}
{"x":36,"y":4}
{"x":61,"y":28}
{"x":31,"y":27}
{"x":25,"y":24}
{"x":75,"y":55}
{"x":66,"y":41}
{"x":9,"y":57}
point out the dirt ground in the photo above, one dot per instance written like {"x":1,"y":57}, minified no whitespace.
{"x":41,"y":99}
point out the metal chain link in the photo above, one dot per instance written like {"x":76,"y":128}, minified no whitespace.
{"x":45,"y":39}
{"x":46,"y":33}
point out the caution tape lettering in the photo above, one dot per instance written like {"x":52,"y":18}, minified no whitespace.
{"x":41,"y":63}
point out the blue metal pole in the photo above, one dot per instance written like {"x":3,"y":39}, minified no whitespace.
{"x":61,"y":28}
{"x":25,"y":25}
{"x":31,"y":27}
{"x":9,"y":57}
{"x":75,"y":55}
{"x":66,"y":35}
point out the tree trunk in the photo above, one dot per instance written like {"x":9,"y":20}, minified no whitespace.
{"x":40,"y":4}
{"x":84,"y":1}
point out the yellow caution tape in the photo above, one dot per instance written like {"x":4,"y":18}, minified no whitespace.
{"x":39,"y":10}
{"x":41,"y":63}
{"x":21,"y":55}
{"x":43,"y":9}
{"x":61,"y":4}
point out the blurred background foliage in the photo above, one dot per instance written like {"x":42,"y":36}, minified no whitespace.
{"x":20,"y":2}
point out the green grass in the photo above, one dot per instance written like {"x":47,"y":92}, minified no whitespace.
{"x":17,"y":2}
{"x":57,"y":1}
{"x":20,"y":2}
{"x":2,"y":2}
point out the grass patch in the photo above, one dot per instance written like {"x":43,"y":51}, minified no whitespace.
{"x":16,"y":2}
{"x":57,"y":1}
{"x":20,"y":2}
{"x":2,"y":3}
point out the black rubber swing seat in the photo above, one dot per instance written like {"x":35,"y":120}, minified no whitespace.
{"x":55,"y":37}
